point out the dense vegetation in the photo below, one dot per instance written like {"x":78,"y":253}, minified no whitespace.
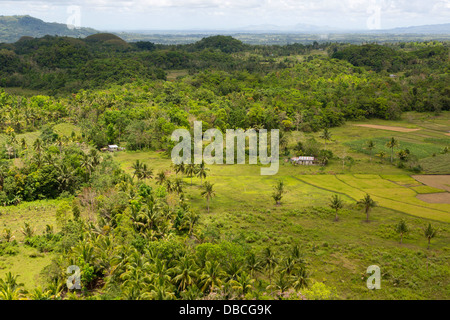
{"x":135,"y":234}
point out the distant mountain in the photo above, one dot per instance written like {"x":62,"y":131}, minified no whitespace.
{"x":430,"y":29}
{"x":12,"y":28}
{"x":312,"y":29}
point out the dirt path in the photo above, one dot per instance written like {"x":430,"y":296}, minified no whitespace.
{"x":435,"y":197}
{"x":375,"y":126}
{"x":436,"y":181}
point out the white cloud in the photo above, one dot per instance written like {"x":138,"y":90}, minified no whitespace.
{"x":215,"y":13}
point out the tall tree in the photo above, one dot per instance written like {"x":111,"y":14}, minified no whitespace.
{"x":270,"y":262}
{"x":191,"y":170}
{"x":370,"y":145}
{"x":402,"y":228}
{"x":391,"y":144}
{"x":429,"y":232}
{"x":161,"y":177}
{"x":202,"y":171}
{"x":208,"y":192}
{"x":367,"y":203}
{"x":137,"y":168}
{"x":336,"y":204}
{"x":326,"y":136}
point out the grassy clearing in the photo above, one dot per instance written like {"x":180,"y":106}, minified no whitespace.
{"x":26,"y":261}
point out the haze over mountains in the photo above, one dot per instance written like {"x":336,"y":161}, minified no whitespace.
{"x":12,"y":28}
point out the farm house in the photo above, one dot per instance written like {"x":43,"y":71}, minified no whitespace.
{"x":303,"y":160}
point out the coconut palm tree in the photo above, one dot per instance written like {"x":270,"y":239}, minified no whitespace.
{"x":391,"y":144}
{"x":288,"y":265}
{"x":269,"y":262}
{"x":161,"y":177}
{"x":370,"y":145}
{"x":184,"y":273}
{"x":179,"y":168}
{"x":367,"y":203}
{"x":178,"y":185}
{"x":300,"y":279}
{"x":37,"y":145}
{"x":326,"y":136}
{"x":202,"y":171}
{"x":86,"y":163}
{"x":10,"y":288}
{"x":137,"y":167}
{"x":208,"y":192}
{"x":253,"y":264}
{"x":336,"y":204}
{"x":402,"y":228}
{"x":430,"y":233}
{"x":242,"y":284}
{"x":282,"y":283}
{"x":211,"y":276}
{"x":191,"y":170}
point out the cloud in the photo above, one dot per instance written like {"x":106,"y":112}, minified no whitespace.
{"x":213,"y":13}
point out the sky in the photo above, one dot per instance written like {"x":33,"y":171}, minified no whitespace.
{"x":232,"y":14}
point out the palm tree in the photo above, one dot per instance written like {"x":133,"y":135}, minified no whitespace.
{"x":253,"y":264}
{"x":202,"y":171}
{"x":65,"y":177}
{"x":430,"y":233}
{"x":288,"y":265}
{"x":382,"y":155}
{"x":60,"y":143}
{"x":370,"y":146}
{"x":270,"y":262}
{"x":161,"y":177}
{"x":23,"y":145}
{"x":184,"y":273}
{"x":191,"y":170}
{"x":3,"y":174}
{"x":336,"y":204}
{"x":137,"y":167}
{"x":243,"y":283}
{"x":391,"y":144}
{"x":208,"y":192}
{"x":87,"y":164}
{"x":146,"y":172}
{"x":402,"y":228}
{"x":8,"y":235}
{"x":178,"y":185}
{"x":95,"y":157}
{"x":10,"y":288}
{"x":37,"y":145}
{"x":300,"y":279}
{"x":27,"y":230}
{"x":282,"y":283}
{"x":170,"y":186}
{"x":211,"y":276}
{"x":326,"y":136}
{"x":368,"y":203}
{"x":179,"y":168}
{"x":278,"y":193}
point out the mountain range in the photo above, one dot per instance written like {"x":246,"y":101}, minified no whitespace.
{"x":12,"y":28}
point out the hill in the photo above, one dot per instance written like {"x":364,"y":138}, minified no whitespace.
{"x":12,"y":28}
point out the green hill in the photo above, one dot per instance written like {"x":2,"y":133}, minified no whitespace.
{"x":12,"y":28}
